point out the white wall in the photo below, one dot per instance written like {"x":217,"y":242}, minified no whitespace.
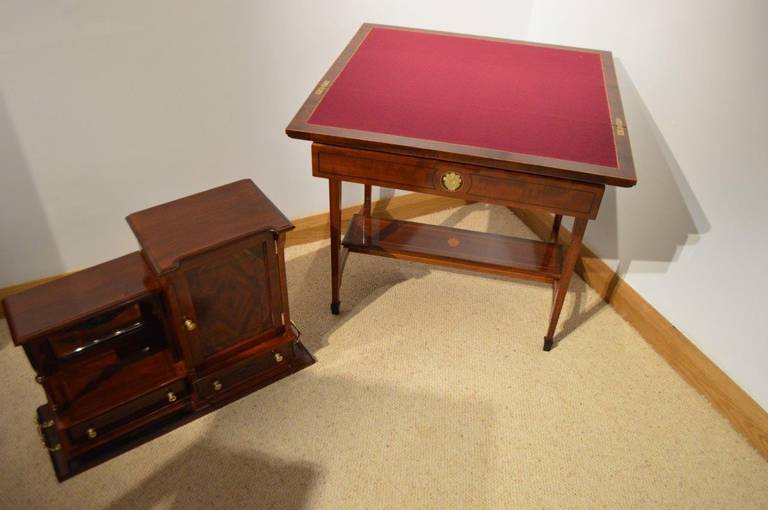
{"x":108,"y":106}
{"x":691,"y":237}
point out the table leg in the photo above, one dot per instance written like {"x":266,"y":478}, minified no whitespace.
{"x":366,"y":211}
{"x":561,"y":285}
{"x":553,"y":237}
{"x":367,"y":200}
{"x":334,"y":193}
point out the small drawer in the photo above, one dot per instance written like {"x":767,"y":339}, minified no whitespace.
{"x":96,"y":331}
{"x":103,"y":424}
{"x":221,"y":381}
{"x":511,"y":188}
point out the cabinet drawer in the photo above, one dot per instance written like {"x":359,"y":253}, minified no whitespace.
{"x":96,"y":331}
{"x":226,"y":379}
{"x":103,"y":424}
{"x":469,"y":182}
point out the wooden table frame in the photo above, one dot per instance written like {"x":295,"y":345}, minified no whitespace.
{"x":560,"y":187}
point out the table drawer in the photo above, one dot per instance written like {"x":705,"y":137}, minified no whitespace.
{"x":226,"y":379}
{"x":504,"y":187}
{"x":103,"y":424}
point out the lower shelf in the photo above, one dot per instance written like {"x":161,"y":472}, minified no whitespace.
{"x":479,"y":251}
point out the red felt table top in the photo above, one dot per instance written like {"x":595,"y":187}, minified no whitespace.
{"x":501,"y":95}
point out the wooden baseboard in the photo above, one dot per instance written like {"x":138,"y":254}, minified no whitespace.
{"x":316,"y":227}
{"x":745,"y":415}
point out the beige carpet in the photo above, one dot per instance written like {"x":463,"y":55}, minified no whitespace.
{"x":430,"y":391}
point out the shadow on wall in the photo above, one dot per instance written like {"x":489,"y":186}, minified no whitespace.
{"x":660,"y":214}
{"x":28,"y":249}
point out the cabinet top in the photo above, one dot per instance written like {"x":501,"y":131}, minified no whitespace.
{"x":61,"y":303}
{"x":191,"y":225}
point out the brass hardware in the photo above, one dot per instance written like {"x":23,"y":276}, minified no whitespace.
{"x":171,"y":396}
{"x":453,"y":242}
{"x":45,"y":425}
{"x":39,"y":379}
{"x":452,"y":181}
{"x":217,"y":385}
{"x":278,"y":357}
{"x":92,"y":432}
{"x":282,"y":318}
{"x":298,"y":331}
{"x":321,"y":88}
{"x":190,"y":325}
{"x":619,"y":127}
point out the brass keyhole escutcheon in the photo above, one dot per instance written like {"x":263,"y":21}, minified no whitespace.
{"x":278,"y":357}
{"x":217,"y":386}
{"x":190,"y":325}
{"x":92,"y":432}
{"x":452,"y":181}
{"x":171,"y":396}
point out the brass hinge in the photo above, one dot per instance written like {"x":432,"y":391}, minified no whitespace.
{"x":619,"y":127}
{"x":282,"y":318}
{"x":276,"y":251}
{"x":321,"y":88}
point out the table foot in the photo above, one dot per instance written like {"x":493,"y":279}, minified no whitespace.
{"x":335,"y":308}
{"x":548,"y":343}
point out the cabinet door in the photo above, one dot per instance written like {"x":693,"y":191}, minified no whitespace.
{"x":229,"y":298}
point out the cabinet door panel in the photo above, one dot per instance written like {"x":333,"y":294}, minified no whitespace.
{"x":230,"y":296}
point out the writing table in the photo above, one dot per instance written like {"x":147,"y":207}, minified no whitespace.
{"x":523,"y":125}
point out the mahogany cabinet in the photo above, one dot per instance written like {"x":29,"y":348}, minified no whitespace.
{"x":139,"y":345}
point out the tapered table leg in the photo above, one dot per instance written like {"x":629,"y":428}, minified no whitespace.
{"x":367,"y":213}
{"x":367,"y":200}
{"x":555,"y":234}
{"x":561,"y":286}
{"x":334,"y":193}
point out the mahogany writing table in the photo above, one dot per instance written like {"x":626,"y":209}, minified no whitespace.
{"x":518,"y":124}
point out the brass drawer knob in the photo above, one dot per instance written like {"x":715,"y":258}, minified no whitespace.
{"x":92,"y":432}
{"x":217,"y":386}
{"x":190,"y":325}
{"x":278,"y":357}
{"x":171,"y":396}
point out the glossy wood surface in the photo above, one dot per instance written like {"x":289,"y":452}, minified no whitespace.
{"x":564,"y":188}
{"x":454,"y":247}
{"x":76,"y":296}
{"x":149,"y":426}
{"x":191,"y":225}
{"x":232,"y":294}
{"x":513,"y":189}
{"x":129,"y":360}
{"x":624,"y":175}
{"x":112,"y":382}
